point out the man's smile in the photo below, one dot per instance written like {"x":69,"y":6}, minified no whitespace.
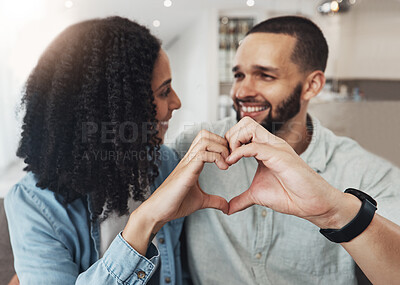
{"x":255,"y":110}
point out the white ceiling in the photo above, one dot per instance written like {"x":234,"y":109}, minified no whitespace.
{"x":173,"y":19}
{"x":177,"y":17}
{"x":28,"y":26}
{"x":35,"y":23}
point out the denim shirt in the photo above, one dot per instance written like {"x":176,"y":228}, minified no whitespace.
{"x":53,"y":244}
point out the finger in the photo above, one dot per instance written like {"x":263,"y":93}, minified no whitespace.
{"x":275,"y":159}
{"x":241,"y":133}
{"x":204,"y":134}
{"x":248,"y":150}
{"x":247,"y":130}
{"x":242,"y":124}
{"x":210,"y":145}
{"x":215,"y":202}
{"x":197,"y":162}
{"x":240,"y":203}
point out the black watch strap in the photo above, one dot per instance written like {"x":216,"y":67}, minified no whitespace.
{"x":357,"y":225}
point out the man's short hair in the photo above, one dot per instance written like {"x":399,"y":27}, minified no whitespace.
{"x":311,"y":50}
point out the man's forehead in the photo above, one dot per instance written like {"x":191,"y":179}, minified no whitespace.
{"x":273,"y":48}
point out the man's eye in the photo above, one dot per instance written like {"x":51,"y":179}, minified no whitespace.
{"x":238,"y":75}
{"x":266,"y":76}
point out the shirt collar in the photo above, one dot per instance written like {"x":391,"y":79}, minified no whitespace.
{"x":315,"y":154}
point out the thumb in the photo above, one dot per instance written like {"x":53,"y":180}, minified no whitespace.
{"x":240,"y":203}
{"x":215,"y":202}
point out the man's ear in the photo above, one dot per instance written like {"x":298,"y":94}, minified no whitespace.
{"x":314,"y":83}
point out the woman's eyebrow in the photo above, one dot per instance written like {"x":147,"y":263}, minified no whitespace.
{"x":166,"y":82}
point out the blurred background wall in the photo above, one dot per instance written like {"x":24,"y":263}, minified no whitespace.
{"x":200,"y":38}
{"x":361,"y":99}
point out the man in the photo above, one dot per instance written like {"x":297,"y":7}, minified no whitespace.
{"x":294,"y":172}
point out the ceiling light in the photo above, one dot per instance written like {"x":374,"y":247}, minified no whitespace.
{"x":334,"y":6}
{"x":352,"y":2}
{"x":250,"y":3}
{"x":68,"y":4}
{"x":324,"y":8}
{"x":167,"y":3}
{"x":331,"y":7}
{"x":156,"y":23}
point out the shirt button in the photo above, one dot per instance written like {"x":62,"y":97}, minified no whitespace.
{"x":167,"y":280}
{"x":161,"y":240}
{"x":264,"y":213}
{"x":141,"y":274}
{"x":258,"y":255}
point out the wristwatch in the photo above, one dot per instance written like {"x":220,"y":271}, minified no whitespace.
{"x":357,"y":225}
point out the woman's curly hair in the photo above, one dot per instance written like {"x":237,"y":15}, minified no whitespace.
{"x":88,"y":90}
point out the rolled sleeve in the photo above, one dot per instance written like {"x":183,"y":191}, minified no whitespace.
{"x":127,"y":265}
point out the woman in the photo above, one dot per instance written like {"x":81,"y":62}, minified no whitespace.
{"x":97,"y":108}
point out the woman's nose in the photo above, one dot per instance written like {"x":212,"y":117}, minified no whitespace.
{"x":175,"y":101}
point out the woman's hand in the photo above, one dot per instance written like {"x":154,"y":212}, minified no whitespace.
{"x":180,"y":194}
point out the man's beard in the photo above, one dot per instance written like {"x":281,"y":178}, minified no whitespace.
{"x":285,"y":111}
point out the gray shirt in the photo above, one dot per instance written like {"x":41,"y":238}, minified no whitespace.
{"x":261,"y":246}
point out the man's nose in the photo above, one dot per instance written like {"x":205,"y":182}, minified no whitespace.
{"x":245,"y":89}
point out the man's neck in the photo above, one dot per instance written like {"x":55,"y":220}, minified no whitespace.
{"x":297,"y":133}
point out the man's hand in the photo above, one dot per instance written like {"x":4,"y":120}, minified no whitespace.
{"x":283,"y":181}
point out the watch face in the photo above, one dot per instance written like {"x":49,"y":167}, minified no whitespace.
{"x":361,"y":195}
